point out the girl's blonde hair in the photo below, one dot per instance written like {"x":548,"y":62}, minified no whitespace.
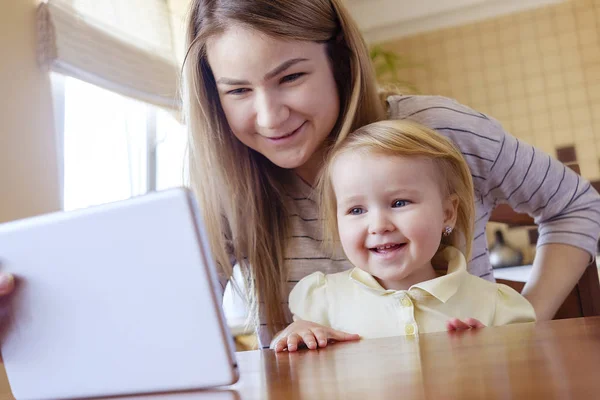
{"x":239,"y":190}
{"x":406,"y":138}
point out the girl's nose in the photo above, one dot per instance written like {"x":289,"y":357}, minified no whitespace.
{"x":380,"y":223}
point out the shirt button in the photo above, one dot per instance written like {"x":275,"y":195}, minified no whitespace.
{"x":409,"y":329}
{"x":406,"y":302}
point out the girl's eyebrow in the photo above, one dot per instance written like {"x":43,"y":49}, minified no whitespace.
{"x":349,"y":200}
{"x":404,"y":191}
{"x":274,"y":72}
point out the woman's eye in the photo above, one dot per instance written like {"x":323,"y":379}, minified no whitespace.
{"x":291,"y":77}
{"x":239,"y":91}
{"x":400,"y":203}
{"x":356,"y":211}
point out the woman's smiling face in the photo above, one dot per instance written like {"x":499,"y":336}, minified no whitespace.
{"x":279,"y":96}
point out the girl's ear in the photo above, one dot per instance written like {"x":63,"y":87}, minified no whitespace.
{"x":451,"y":210}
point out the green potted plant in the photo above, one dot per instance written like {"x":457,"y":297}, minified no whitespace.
{"x":388,"y":66}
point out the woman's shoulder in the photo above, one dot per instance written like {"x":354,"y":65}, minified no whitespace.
{"x":405,"y":106}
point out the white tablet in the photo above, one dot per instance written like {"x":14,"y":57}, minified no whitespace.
{"x":116,"y":299}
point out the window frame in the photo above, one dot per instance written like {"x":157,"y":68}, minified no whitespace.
{"x":58,"y":105}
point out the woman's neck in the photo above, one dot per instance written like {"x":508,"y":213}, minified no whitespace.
{"x":309,"y":171}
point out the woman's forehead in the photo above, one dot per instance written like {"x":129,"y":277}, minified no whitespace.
{"x":246,"y":51}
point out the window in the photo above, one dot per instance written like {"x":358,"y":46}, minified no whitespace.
{"x":114,"y":147}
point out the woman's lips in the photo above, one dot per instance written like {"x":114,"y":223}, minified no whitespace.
{"x":279,"y":139}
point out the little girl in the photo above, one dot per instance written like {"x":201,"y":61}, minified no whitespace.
{"x":399,"y":199}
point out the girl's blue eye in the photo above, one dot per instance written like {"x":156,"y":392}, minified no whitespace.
{"x":356,"y":211}
{"x":291,"y":77}
{"x":400,"y":203}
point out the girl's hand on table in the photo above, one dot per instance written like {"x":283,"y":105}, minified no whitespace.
{"x":456,"y":324}
{"x":309,"y":334}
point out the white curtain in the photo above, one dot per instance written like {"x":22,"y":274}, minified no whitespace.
{"x":125,"y":46}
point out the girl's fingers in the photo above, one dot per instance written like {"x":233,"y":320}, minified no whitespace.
{"x":312,"y":335}
{"x":458,"y":325}
{"x":451,"y":324}
{"x":281,"y":345}
{"x":293,"y":340}
{"x":321,"y":336}
{"x":309,"y":340}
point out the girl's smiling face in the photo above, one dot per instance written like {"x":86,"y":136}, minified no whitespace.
{"x":391,"y":213}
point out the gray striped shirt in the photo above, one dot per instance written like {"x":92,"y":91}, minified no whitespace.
{"x":505,"y":170}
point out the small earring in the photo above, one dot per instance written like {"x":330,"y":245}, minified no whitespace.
{"x":447,"y":231}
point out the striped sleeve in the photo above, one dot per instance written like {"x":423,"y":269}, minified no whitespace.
{"x":564,"y":205}
{"x":506,"y":170}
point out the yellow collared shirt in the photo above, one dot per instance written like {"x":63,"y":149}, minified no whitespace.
{"x":354,"y":302}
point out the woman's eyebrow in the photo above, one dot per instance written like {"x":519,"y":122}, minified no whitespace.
{"x":282,"y":67}
{"x":274,"y":72}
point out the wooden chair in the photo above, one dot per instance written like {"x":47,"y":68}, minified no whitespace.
{"x":584,"y":299}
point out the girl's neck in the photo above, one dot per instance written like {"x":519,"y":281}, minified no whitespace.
{"x":422,"y":274}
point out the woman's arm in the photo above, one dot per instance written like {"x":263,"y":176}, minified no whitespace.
{"x":556,"y":269}
{"x":566,"y":208}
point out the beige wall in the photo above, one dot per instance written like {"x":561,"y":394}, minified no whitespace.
{"x":537,"y":72}
{"x":28,"y":167}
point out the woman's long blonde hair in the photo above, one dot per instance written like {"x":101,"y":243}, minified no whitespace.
{"x":406,"y":138}
{"x":239,"y":190}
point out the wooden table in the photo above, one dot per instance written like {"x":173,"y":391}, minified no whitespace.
{"x":549,"y":360}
